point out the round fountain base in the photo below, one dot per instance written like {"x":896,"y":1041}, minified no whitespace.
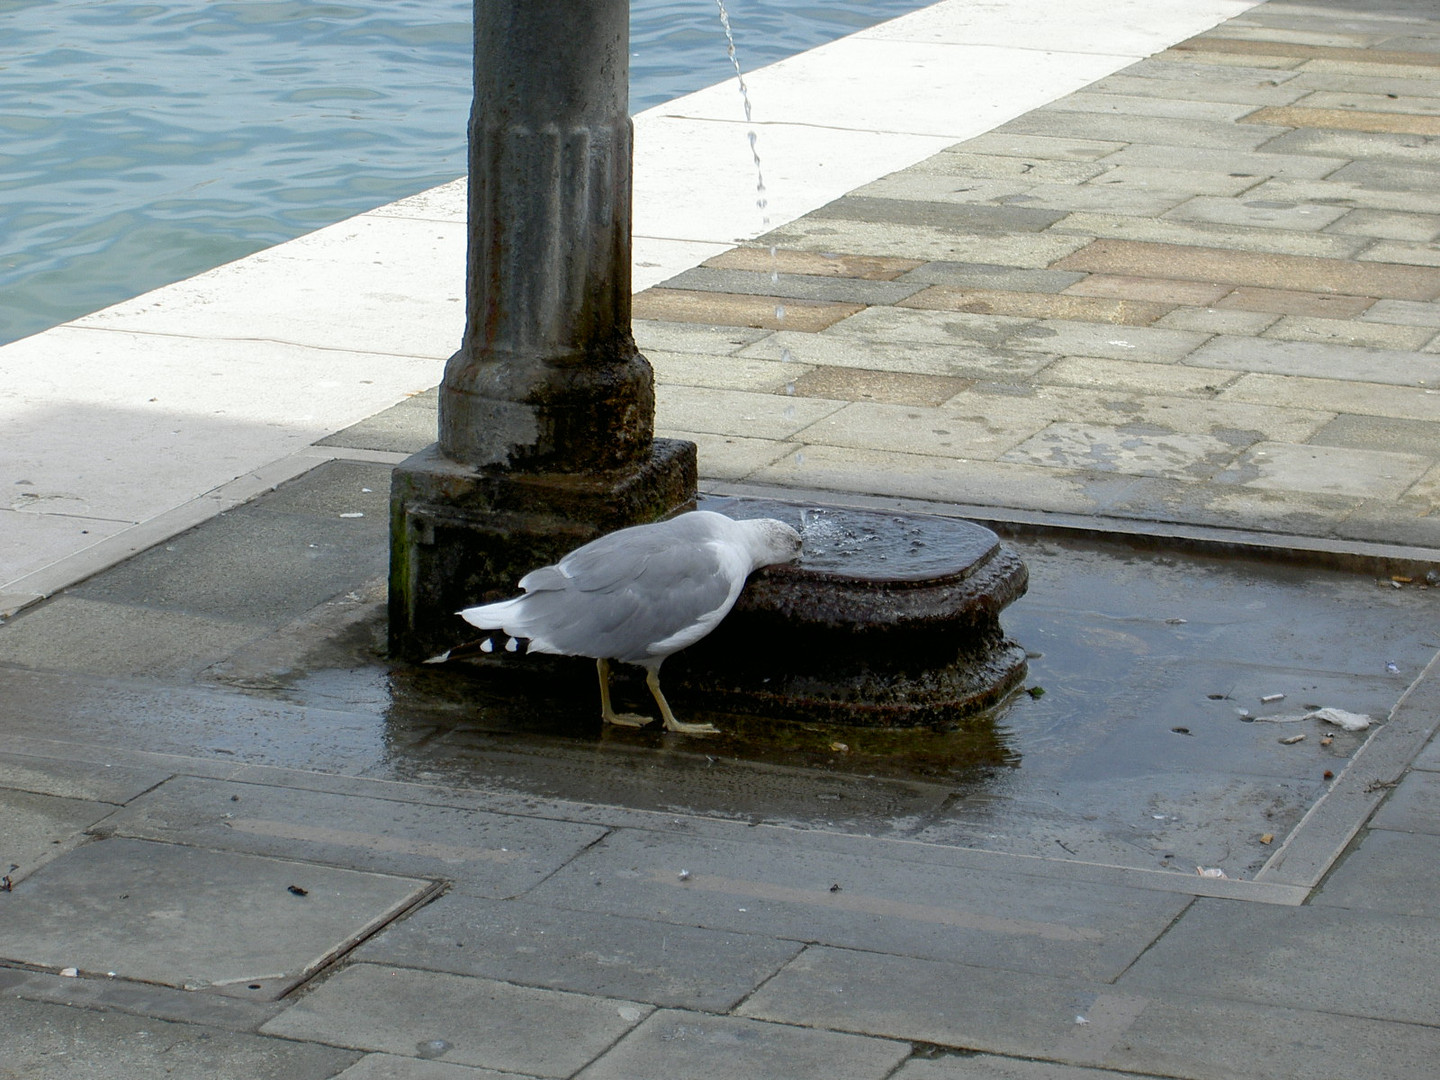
{"x":889,"y":620}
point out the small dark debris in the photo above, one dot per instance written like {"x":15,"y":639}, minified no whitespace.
{"x":6,"y":885}
{"x":1182,"y":731}
{"x":296,"y":890}
{"x":1035,"y":691}
{"x":1218,"y":697}
{"x":835,"y":887}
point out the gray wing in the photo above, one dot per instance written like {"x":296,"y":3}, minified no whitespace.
{"x":624,"y":594}
{"x":622,"y":556}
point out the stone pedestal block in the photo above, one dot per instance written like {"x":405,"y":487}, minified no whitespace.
{"x":461,"y":536}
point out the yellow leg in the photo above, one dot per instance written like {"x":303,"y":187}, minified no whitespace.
{"x":607,"y":713}
{"x":652,"y":680}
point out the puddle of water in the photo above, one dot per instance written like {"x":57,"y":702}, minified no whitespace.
{"x":1129,"y":747}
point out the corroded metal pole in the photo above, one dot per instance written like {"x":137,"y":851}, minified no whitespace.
{"x":547,"y":409}
{"x":548,"y":375}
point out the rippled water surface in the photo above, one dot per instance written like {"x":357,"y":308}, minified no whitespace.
{"x":141,"y":143}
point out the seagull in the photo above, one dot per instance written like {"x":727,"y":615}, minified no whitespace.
{"x":639,"y":594}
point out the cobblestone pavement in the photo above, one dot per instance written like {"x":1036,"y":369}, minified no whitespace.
{"x":1200,"y":291}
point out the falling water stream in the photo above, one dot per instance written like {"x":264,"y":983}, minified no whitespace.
{"x":762,"y":199}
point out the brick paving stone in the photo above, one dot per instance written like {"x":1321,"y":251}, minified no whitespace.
{"x":1027,"y":249}
{"x":763,"y":260}
{"x":1054,"y":336}
{"x":1132,"y":377}
{"x":1252,"y":212}
{"x":1326,"y":470}
{"x":1212,"y":321}
{"x":893,"y":387}
{"x":1156,"y":290}
{"x":1417,"y":437}
{"x":1274,"y":241}
{"x":958,"y":429}
{"x":1293,"y":302}
{"x":1268,"y":270}
{"x":968,"y":217}
{"x":1213,"y":43}
{"x":1345,"y":120}
{"x":788,"y":287}
{"x":1172,"y":66}
{"x":722,"y":372}
{"x":1350,"y":332}
{"x":1132,"y":450}
{"x":964,"y":361}
{"x":961,"y":161}
{"x":993,"y":276}
{"x":1390,"y":225}
{"x":1129,"y":128}
{"x":1341,"y":193}
{"x":1337,"y":395}
{"x":1152,"y":178}
{"x":1377,"y":102}
{"x":1058,"y":148}
{"x":1038,"y":305}
{"x":1374,"y":70}
{"x":736,"y":412}
{"x":1375,"y":147}
{"x":1316,"y":79}
{"x":731,"y":309}
{"x":1229,"y":60}
{"x":1397,"y":251}
{"x":690,"y":338}
{"x":730,"y":457}
{"x":1173,"y":107}
{"x":1017,"y":193}
{"x":1269,"y":88}
{"x":1404,"y":312}
{"x":1232,"y":162}
{"x":1317,"y":360}
{"x":919,"y":476}
{"x":1394,"y":175}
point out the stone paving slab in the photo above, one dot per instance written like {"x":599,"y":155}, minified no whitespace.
{"x":1330,"y":959}
{"x":1084,"y":1024}
{"x":972,"y":1066}
{"x":196,"y":919}
{"x":54,"y":1042}
{"x":1005,"y":920}
{"x":484,"y":854}
{"x":1394,"y":871}
{"x":391,"y":1067}
{"x":39,"y":828}
{"x":458,"y":1019}
{"x":1414,"y":806}
{"x":530,"y":944}
{"x":698,"y":1046}
{"x":71,"y":779}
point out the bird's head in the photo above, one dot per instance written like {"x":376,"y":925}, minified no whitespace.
{"x":773,"y":542}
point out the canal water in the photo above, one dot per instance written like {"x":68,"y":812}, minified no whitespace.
{"x":143,"y":143}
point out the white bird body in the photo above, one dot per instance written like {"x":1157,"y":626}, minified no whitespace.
{"x":639,"y":594}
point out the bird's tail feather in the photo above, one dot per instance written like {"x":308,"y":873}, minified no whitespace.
{"x":496,"y":616}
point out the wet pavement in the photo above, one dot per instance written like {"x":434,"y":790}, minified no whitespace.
{"x":241,"y":843}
